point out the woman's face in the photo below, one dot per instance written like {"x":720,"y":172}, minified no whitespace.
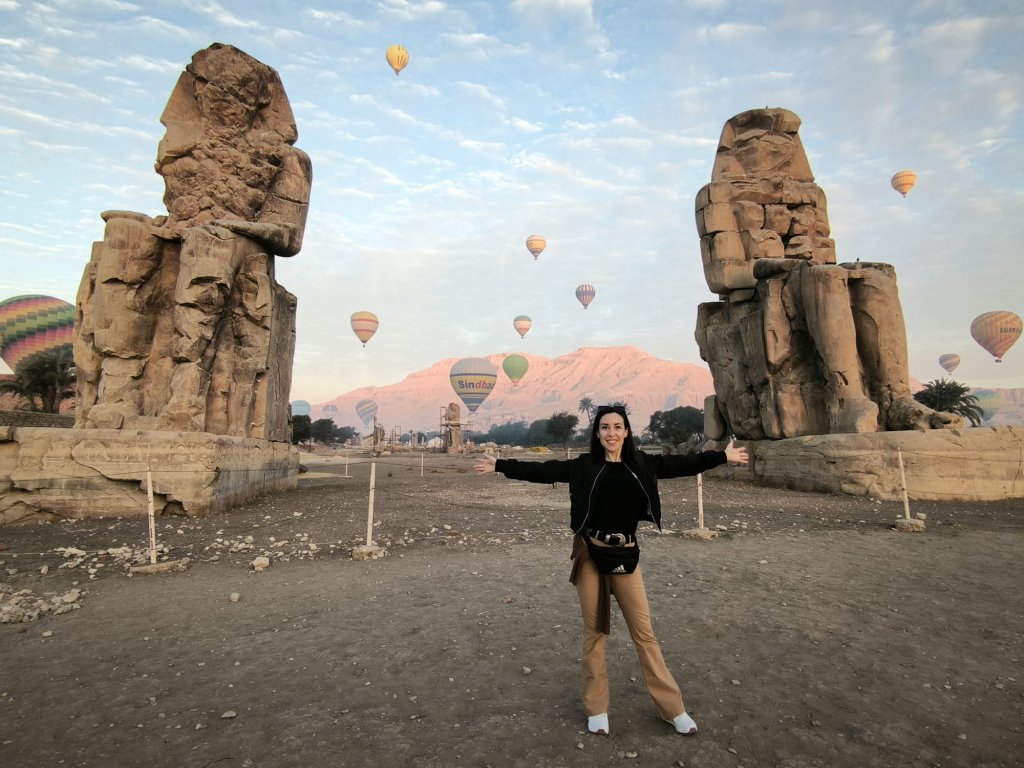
{"x":611,"y":430}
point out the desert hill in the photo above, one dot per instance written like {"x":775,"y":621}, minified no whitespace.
{"x":605,"y":374}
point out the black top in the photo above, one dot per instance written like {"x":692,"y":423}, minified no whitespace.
{"x":619,"y":501}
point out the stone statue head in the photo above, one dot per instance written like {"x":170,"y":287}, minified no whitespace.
{"x":761,"y":142}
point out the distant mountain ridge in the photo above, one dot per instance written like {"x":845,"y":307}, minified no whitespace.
{"x":604,"y":374}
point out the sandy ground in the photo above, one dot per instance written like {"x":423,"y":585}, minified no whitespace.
{"x":810,"y":633}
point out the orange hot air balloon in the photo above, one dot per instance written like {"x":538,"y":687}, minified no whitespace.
{"x":397,"y":57}
{"x":536,"y":244}
{"x":585,"y":293}
{"x":949,"y":362}
{"x":522,"y":324}
{"x":904,"y":181}
{"x":997,"y":331}
{"x":364,"y":325}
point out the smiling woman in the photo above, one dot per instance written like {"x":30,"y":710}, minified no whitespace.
{"x":612,"y":489}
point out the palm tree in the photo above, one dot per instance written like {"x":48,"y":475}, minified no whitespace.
{"x":952,"y":397}
{"x":587,"y":407}
{"x":44,"y":380}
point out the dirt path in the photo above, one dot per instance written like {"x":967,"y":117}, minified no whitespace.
{"x":808,"y":634}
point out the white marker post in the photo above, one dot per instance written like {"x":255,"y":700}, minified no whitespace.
{"x":421,"y":463}
{"x":369,"y":514}
{"x":700,"y":533}
{"x":152,"y":516}
{"x":906,"y":523}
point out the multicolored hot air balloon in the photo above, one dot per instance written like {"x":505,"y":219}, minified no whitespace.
{"x":904,"y":181}
{"x":364,"y":325}
{"x":473,"y":378}
{"x":515,"y":367}
{"x":522,"y":324}
{"x":536,"y":244}
{"x":301,"y":408}
{"x":32,"y":324}
{"x":329,"y":410}
{"x":997,"y":331}
{"x":366,"y":410}
{"x":949,"y":362}
{"x":585,"y":293}
{"x":397,"y":57}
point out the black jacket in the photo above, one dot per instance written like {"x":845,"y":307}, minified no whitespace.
{"x":583,"y":472}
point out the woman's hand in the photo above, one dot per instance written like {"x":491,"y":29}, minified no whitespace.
{"x":484,"y":463}
{"x":736,"y":454}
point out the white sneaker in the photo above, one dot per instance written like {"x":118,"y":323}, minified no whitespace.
{"x":598,"y":724}
{"x":683,"y":724}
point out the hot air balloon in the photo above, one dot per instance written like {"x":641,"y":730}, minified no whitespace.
{"x":364,"y":324}
{"x":397,"y":57}
{"x":585,"y":293}
{"x":904,"y":181}
{"x":301,"y":408}
{"x":997,"y":331}
{"x":32,"y":324}
{"x":535,"y":244}
{"x":473,"y":379}
{"x":515,"y":367}
{"x":366,"y":410}
{"x":522,"y":324}
{"x":949,"y":362}
{"x":990,"y":402}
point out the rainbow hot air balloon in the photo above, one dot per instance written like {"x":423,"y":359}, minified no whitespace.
{"x":997,"y":331}
{"x":473,"y":378}
{"x":536,"y":244}
{"x":949,"y":362}
{"x":366,"y":410}
{"x":515,"y":367}
{"x":904,"y":181}
{"x":364,"y":325}
{"x":585,"y":293}
{"x":32,"y":324}
{"x":522,"y":324}
{"x":397,"y":57}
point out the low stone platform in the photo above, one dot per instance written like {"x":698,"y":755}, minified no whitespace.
{"x":970,"y":464}
{"x":47,"y":474}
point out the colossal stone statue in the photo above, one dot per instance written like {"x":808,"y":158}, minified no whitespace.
{"x":181,"y":324}
{"x":797,"y":344}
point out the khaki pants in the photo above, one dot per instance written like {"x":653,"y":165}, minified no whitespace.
{"x":631,"y":596}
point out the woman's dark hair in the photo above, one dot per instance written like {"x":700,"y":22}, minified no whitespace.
{"x":630,"y":454}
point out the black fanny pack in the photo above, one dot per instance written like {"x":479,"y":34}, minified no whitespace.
{"x":613,"y":559}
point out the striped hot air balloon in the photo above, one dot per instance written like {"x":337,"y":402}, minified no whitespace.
{"x":522,"y":324}
{"x":949,"y":361}
{"x":32,"y":324}
{"x":536,"y":244}
{"x":364,"y":325}
{"x":366,"y":409}
{"x":903,"y":181}
{"x":997,"y":331}
{"x":473,"y":378}
{"x":585,"y":293}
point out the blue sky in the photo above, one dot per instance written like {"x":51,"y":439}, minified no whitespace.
{"x":592,"y":123}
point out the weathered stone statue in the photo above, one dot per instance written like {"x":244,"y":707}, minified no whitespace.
{"x":181,"y":325}
{"x":453,"y":428}
{"x":797,"y":344}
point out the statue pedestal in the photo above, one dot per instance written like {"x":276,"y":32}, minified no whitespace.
{"x":969,"y":464}
{"x":48,"y":474}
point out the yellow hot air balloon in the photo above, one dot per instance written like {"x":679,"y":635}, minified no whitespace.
{"x":904,"y":181}
{"x":397,"y":57}
{"x":522,"y":324}
{"x":997,"y":331}
{"x":364,"y":325}
{"x":949,"y":362}
{"x":535,"y":244}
